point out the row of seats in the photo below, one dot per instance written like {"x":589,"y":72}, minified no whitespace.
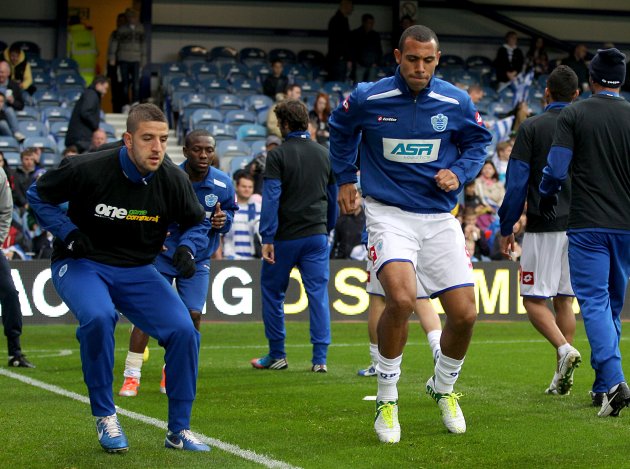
{"x":250,"y":55}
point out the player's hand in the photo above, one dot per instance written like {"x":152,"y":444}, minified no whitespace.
{"x":268,"y":253}
{"x":184,"y":262}
{"x":447,"y":180}
{"x":507,"y":246}
{"x":219,"y":217}
{"x":78,"y":244}
{"x":547,"y":207}
{"x":347,"y":198}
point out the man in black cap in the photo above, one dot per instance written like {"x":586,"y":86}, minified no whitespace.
{"x":592,"y":140}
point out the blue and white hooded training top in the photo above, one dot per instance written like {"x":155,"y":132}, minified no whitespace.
{"x":404,"y":140}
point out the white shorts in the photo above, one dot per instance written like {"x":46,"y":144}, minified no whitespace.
{"x":374,"y":287}
{"x":545,"y":265}
{"x":433,"y":243}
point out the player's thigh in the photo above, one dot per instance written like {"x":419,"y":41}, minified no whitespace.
{"x":443,"y":261}
{"x":194,"y":290}
{"x":541,"y":264}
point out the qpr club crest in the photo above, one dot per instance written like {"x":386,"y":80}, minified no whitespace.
{"x":439,"y":122}
{"x":211,"y":200}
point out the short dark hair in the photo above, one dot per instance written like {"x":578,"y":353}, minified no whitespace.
{"x":510,"y":34}
{"x":27,"y":152}
{"x":293,"y":113}
{"x":366,"y":17}
{"x":98,"y":79}
{"x":15,"y":47}
{"x":562,"y":83}
{"x":190,"y":136}
{"x":419,"y":33}
{"x":243,"y":174}
{"x":291,"y":86}
{"x":145,"y":112}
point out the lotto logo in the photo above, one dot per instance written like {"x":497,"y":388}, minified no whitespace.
{"x":372,"y":253}
{"x":527,"y":278}
{"x":478,"y":118}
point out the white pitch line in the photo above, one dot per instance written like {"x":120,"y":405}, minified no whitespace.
{"x":227,"y":447}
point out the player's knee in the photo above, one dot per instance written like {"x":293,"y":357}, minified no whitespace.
{"x":196,"y":318}
{"x":400,"y":303}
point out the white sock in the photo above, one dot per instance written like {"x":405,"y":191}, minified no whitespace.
{"x":133,"y":365}
{"x":374,"y":354}
{"x":446,"y":373}
{"x":387,"y":375}
{"x":564,"y":349}
{"x":433,"y":337}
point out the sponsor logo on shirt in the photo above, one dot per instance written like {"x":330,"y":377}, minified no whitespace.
{"x":411,"y":151}
{"x":478,"y":118}
{"x":386,"y":119}
{"x":346,"y":104}
{"x":527,"y":278}
{"x":116,"y":213}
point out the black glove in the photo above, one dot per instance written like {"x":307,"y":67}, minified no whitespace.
{"x":547,"y":207}
{"x":184,"y":262}
{"x":78,"y":244}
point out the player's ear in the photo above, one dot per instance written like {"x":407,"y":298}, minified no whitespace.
{"x":127,"y":139}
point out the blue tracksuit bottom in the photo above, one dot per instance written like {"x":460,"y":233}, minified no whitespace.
{"x":600,"y":266}
{"x":94,"y":292}
{"x":310,"y":256}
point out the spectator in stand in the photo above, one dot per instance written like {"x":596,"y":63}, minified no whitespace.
{"x":496,"y":252}
{"x":112,"y":68}
{"x":501,"y":158}
{"x":476,"y":93}
{"x":367,"y":50}
{"x":13,"y":99}
{"x":70,"y":151}
{"x":476,"y":241}
{"x":20,"y":68}
{"x":7,"y":170}
{"x":339,"y":43}
{"x":242,"y":242}
{"x":292,"y":92}
{"x":319,"y":116}
{"x":81,"y":47}
{"x":256,"y":167}
{"x":86,"y":115}
{"x":5,"y":128}
{"x":488,"y":187}
{"x":537,"y":57}
{"x":577,"y":61}
{"x":509,"y":60}
{"x":99,"y":137}
{"x":23,"y":178}
{"x":277,"y":82}
{"x":128,"y":52}
{"x":406,"y":21}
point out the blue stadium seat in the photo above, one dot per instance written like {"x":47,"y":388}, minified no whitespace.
{"x":257,"y":102}
{"x":223,"y":54}
{"x":173,"y":67}
{"x":260,"y":71}
{"x":52,"y":114}
{"x":69,"y":79}
{"x":234,"y":71}
{"x":193,"y":54}
{"x":47,"y":143}
{"x":499,"y":108}
{"x":202,"y":71}
{"x":11,"y":150}
{"x":30,"y":48}
{"x":214,"y":86}
{"x":285,"y":55}
{"x":109,"y":129}
{"x":298,"y":72}
{"x":226,"y":102}
{"x":32,"y":129}
{"x":65,"y":63}
{"x":71,"y":96}
{"x":252,"y":56}
{"x":310,"y":88}
{"x":221,"y":131}
{"x":38,"y":64}
{"x":231,"y":148}
{"x":479,"y":62}
{"x":28,"y":113}
{"x":257,"y":146}
{"x":262,"y":116}
{"x":251,"y":132}
{"x":182,"y":83}
{"x":200,"y":118}
{"x":237,"y":163}
{"x":42,"y":80}
{"x":194,"y":101}
{"x":238,"y":117}
{"x":311,"y":59}
{"x":44,"y":98}
{"x":337,"y":88}
{"x":246,"y":87}
{"x":59,"y":130}
{"x":450,"y":60}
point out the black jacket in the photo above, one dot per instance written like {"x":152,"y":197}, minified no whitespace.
{"x":86,"y":116}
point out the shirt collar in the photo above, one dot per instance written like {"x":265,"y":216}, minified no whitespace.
{"x":298,"y":134}
{"x":556,"y":105}
{"x":129,"y":169}
{"x":402,"y":85}
{"x":612,"y":94}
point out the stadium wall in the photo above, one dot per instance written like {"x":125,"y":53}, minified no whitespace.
{"x":234,"y":293}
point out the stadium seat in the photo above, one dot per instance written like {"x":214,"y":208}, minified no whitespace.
{"x":226,"y":102}
{"x":192,"y":101}
{"x":257,"y":102}
{"x":238,"y":117}
{"x":109,"y":129}
{"x":251,"y":132}
{"x":52,"y":114}
{"x":200,"y":118}
{"x":30,"y":48}
{"x":182,"y":83}
{"x":311,"y":59}
{"x":173,"y":67}
{"x":45,"y":98}
{"x":193,"y":54}
{"x":38,"y":64}
{"x":237,"y":162}
{"x":450,"y":60}
{"x":42,"y":80}
{"x":69,"y":79}
{"x":500,"y":108}
{"x":285,"y":55}
{"x":309,"y":88}
{"x":223,"y":54}
{"x":28,"y":113}
{"x":337,"y":88}
{"x":246,"y":87}
{"x":479,"y":62}
{"x":47,"y":143}
{"x":260,"y":72}
{"x":203,"y":71}
{"x":69,"y":97}
{"x":221,"y":131}
{"x":59,"y":130}
{"x":298,"y":72}
{"x":32,"y":129}
{"x":257,"y":146}
{"x":11,"y":150}
{"x":262,"y":116}
{"x":252,"y":56}
{"x":65,"y":63}
{"x":231,"y":148}
{"x":234,"y":71}
{"x":214,"y":86}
